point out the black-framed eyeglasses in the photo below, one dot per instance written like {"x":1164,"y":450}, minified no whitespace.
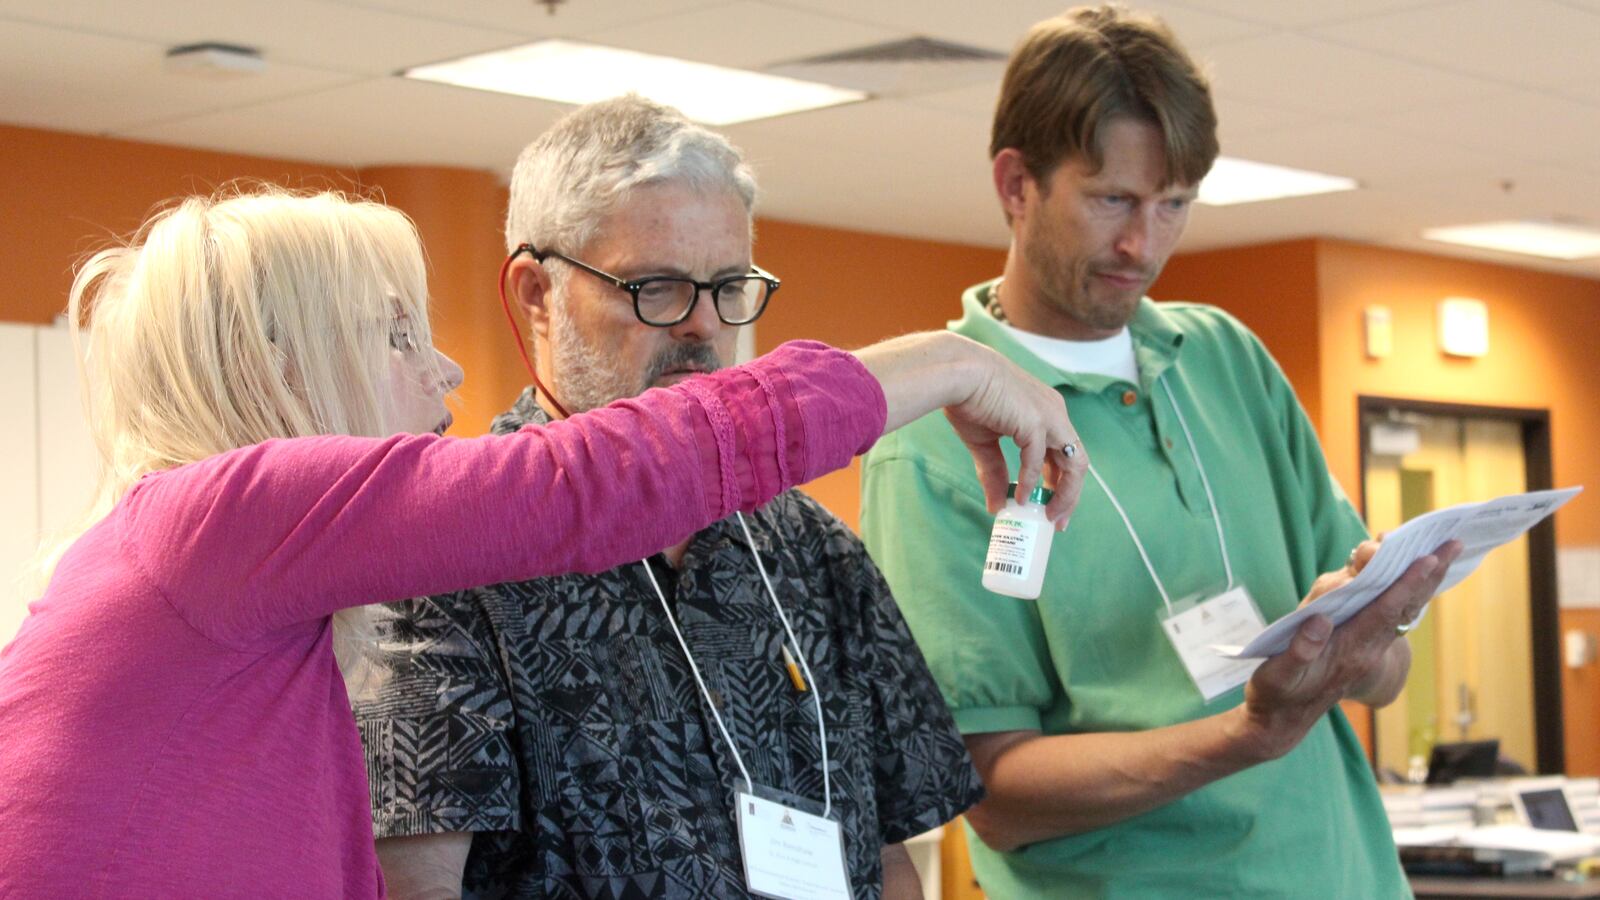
{"x":666,"y":300}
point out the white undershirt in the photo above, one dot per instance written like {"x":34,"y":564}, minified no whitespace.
{"x":1112,"y":356}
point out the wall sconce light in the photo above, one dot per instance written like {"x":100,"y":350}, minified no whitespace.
{"x":1580,"y":648}
{"x":1463,"y":327}
{"x":1380,"y":332}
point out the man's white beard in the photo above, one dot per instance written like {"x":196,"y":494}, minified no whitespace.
{"x":583,"y":381}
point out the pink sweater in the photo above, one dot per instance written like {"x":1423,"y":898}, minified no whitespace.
{"x":172,"y":722}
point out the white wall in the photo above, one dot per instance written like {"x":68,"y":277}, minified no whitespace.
{"x":47,"y":459}
{"x":69,"y":465}
{"x":19,"y":461}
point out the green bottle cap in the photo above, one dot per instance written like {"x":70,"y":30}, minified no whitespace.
{"x":1040,"y":494}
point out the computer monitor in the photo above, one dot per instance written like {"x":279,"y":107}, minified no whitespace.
{"x":1467,"y":759}
{"x":1543,"y":803}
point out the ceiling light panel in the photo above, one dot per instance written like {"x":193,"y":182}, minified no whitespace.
{"x":571,"y":72}
{"x":1243,"y":181}
{"x":1547,"y":240}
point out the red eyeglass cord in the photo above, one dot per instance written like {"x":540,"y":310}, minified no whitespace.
{"x":522,"y":347}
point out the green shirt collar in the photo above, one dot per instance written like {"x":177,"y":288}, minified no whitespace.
{"x":1156,"y":341}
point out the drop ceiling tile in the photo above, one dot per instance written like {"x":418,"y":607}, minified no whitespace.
{"x":1371,"y":216}
{"x":1237,"y":119}
{"x":313,"y":33}
{"x":1330,"y":215}
{"x":1517,"y":125}
{"x":521,"y":19}
{"x":1535,"y":192}
{"x":116,"y":83}
{"x":1304,"y":13}
{"x":999,"y":26}
{"x":1535,"y":43}
{"x":375,"y":122}
{"x":1374,"y":157}
{"x":974,"y":100}
{"x":886,"y":166}
{"x":1292,"y":72}
{"x":744,"y":35}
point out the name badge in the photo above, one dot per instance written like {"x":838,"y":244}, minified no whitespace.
{"x":789,"y":854}
{"x":1228,"y":618}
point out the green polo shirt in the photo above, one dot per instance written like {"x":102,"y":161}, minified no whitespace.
{"x":1090,"y":655}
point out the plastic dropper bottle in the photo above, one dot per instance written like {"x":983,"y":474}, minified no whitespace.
{"x":1019,"y":545}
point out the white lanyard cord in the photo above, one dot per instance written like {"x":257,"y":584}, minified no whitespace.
{"x":816,"y":692}
{"x":694,"y":668}
{"x":1136,"y":542}
{"x":816,"y":689}
{"x":1216,"y":513}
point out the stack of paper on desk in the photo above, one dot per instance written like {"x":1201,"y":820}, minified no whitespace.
{"x":1512,"y":848}
{"x":1480,"y":527}
{"x":1430,"y":807}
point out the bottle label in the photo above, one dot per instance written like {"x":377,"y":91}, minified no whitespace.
{"x":1010,"y":547}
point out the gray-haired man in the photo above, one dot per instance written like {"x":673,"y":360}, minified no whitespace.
{"x":583,"y":736}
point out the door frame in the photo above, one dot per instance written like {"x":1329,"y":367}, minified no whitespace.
{"x":1544,"y":613}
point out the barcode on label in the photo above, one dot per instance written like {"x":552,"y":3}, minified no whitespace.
{"x":1007,"y":568}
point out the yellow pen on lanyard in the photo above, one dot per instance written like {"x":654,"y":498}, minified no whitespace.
{"x":794,"y":670}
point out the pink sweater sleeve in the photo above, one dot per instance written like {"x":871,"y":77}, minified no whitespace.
{"x":288,"y":531}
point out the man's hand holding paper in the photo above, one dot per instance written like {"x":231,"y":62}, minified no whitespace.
{"x":1324,"y":664}
{"x":1480,"y":527}
{"x":1342,"y":641}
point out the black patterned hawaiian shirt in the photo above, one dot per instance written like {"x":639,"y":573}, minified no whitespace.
{"x":558,"y":718}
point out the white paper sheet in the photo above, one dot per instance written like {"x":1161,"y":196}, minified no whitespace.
{"x":1480,"y":527}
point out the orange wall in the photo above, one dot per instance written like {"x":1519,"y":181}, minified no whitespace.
{"x":1540,"y":329}
{"x":851,"y":288}
{"x":1580,"y":698}
{"x":1305,"y":298}
{"x":1273,"y":290}
{"x":68,"y":194}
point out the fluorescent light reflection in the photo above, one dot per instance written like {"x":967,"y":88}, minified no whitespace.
{"x":1243,"y":181}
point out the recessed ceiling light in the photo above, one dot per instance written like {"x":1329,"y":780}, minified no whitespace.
{"x":1242,"y":181}
{"x":1544,"y":239}
{"x":570,"y":72}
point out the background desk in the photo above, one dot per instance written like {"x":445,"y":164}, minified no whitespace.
{"x":1507,"y":888}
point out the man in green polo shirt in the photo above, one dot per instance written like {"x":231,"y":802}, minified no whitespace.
{"x":1122,"y":757}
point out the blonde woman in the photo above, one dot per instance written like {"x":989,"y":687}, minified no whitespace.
{"x":263,"y":386}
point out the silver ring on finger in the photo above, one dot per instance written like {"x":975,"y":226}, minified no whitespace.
{"x":1070,"y":448}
